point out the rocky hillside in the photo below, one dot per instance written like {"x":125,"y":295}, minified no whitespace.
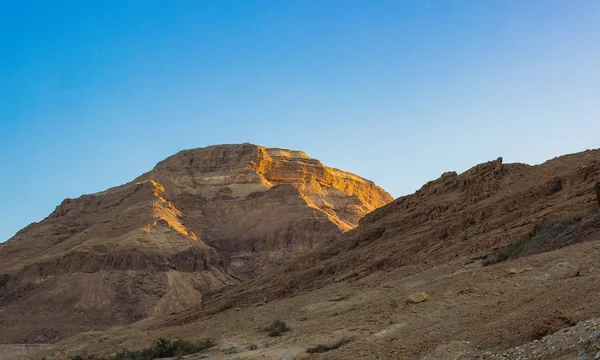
{"x":200,"y":220}
{"x":257,"y":205}
{"x":474,"y":215}
{"x":472,"y":265}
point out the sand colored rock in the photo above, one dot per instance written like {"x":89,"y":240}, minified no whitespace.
{"x":200,"y":220}
{"x":424,"y":241}
{"x":416,"y":298}
{"x":256,"y":206}
{"x":573,"y":272}
{"x":429,"y":240}
{"x":512,"y":271}
{"x":469,"y":215}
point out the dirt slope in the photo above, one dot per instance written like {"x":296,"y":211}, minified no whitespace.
{"x":434,"y":241}
{"x":200,"y":220}
{"x":470,"y":215}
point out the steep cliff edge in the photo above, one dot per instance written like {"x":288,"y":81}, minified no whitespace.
{"x":200,"y":220}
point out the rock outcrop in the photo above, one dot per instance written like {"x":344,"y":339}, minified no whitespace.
{"x":200,"y":220}
{"x":438,"y":243}
{"x":467,"y":215}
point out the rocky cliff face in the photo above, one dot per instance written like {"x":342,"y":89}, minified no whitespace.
{"x":257,"y":206}
{"x":471,"y":215}
{"x":421,"y":278}
{"x":200,"y":220}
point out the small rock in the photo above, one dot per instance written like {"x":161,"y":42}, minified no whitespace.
{"x":573,"y":272}
{"x":460,"y":356}
{"x":512,"y":271}
{"x":416,"y":298}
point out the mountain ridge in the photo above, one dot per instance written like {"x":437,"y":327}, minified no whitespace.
{"x":199,"y":220}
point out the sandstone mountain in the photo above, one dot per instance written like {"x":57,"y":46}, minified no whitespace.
{"x":473,"y":215}
{"x":500,"y":255}
{"x":200,"y":220}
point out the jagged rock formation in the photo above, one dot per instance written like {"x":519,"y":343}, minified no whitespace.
{"x":255,"y":205}
{"x":200,"y":220}
{"x":435,"y":240}
{"x":472,"y":214}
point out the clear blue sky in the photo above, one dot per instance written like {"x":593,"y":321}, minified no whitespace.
{"x":94,"y":93}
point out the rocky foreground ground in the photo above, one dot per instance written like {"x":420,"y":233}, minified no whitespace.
{"x":579,"y":342}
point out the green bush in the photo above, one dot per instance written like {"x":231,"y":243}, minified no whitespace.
{"x":277,"y":328}
{"x":231,"y":350}
{"x":185,"y":347}
{"x":325,"y":348}
{"x":542,"y":231}
{"x":161,"y":348}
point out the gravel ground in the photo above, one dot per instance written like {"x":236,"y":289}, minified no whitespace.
{"x":580,"y":342}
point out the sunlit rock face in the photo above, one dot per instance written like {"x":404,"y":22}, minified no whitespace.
{"x":257,"y":205}
{"x":200,"y":220}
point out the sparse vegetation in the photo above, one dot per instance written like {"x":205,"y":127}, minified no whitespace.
{"x":160,"y":349}
{"x":231,"y":350}
{"x":304,"y":318}
{"x":252,"y":347}
{"x":327,"y":347}
{"x":277,"y":328}
{"x":542,"y":231}
{"x":394,"y":303}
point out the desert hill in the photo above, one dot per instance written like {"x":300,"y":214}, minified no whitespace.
{"x":505,"y":253}
{"x":200,"y":220}
{"x":472,"y":215}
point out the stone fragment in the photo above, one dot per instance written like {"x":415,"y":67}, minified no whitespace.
{"x":416,"y":298}
{"x":573,"y":272}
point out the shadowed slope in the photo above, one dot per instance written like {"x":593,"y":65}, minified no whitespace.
{"x":201,"y":219}
{"x":456,"y":216}
{"x":435,"y":241}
